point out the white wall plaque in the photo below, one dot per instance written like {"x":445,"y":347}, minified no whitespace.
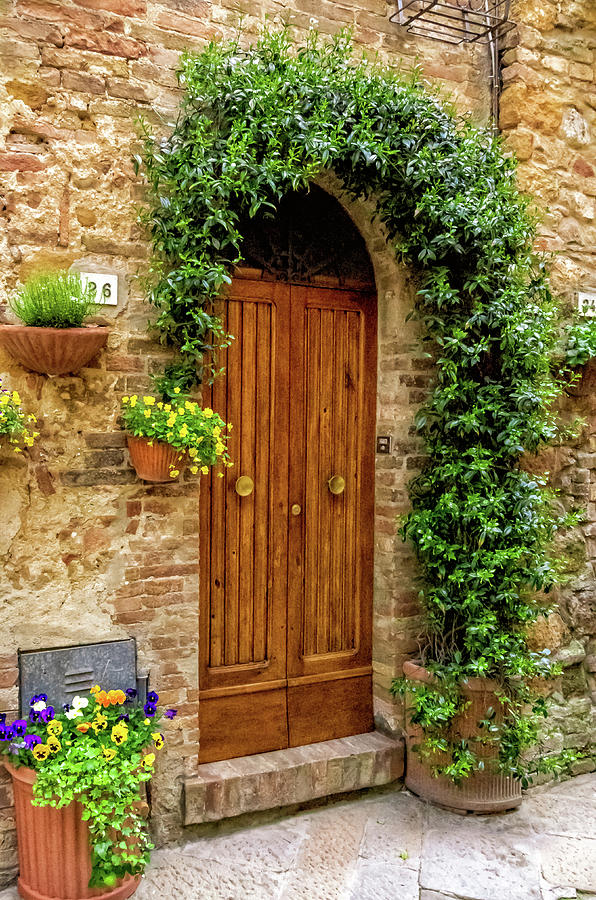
{"x":106,"y":287}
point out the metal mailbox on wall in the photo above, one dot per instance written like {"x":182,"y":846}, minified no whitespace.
{"x":64,"y":672}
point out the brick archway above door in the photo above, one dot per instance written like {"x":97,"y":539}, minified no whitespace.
{"x":286,"y":569}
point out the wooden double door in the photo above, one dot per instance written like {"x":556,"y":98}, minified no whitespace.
{"x":287,"y":534}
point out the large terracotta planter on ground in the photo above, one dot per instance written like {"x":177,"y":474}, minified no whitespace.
{"x":152,"y":461}
{"x":53,"y":351}
{"x":483,"y":792}
{"x":54,"y":856}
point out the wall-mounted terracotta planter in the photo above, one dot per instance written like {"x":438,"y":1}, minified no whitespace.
{"x":153,"y":462}
{"x":483,"y":792}
{"x":54,"y":857}
{"x":53,"y":351}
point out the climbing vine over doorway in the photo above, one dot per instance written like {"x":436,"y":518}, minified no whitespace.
{"x":257,"y":123}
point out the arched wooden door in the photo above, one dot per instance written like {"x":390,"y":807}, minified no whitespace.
{"x":286,"y":569}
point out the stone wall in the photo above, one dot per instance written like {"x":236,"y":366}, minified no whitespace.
{"x":548,"y":116}
{"x":88,"y":552}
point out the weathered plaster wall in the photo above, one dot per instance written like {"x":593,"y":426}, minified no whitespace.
{"x":87,"y":551}
{"x":548,"y":115}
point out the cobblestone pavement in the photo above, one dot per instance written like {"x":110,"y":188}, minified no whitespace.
{"x":391,"y":846}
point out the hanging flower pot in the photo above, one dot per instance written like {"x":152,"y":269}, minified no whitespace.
{"x":77,"y":775}
{"x":54,"y":856}
{"x":486,"y":791}
{"x":53,"y":351}
{"x":53,"y":339}
{"x":165,"y":437}
{"x":155,"y":461}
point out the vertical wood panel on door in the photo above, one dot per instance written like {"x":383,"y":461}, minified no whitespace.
{"x":332,"y":420}
{"x":243,"y":573}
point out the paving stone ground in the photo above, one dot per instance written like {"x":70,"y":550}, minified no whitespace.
{"x":391,"y":846}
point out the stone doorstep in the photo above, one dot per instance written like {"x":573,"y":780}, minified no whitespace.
{"x":232,"y":787}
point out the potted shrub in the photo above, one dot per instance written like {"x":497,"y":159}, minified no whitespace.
{"x":76,"y":775}
{"x":15,"y":424}
{"x":165,"y":437}
{"x":464,"y":743}
{"x":53,"y":338}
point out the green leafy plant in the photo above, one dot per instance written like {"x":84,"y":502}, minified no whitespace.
{"x":256,"y":123}
{"x":98,"y":752}
{"x":196,"y":431}
{"x":54,"y":300}
{"x":579,"y":343}
{"x":15,"y":424}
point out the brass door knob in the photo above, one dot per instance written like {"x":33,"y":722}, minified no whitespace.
{"x":336,"y":484}
{"x":296,"y":509}
{"x":244,"y":485}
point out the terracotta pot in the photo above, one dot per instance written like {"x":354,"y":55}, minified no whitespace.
{"x":53,"y":351}
{"x":483,"y":792}
{"x":152,"y":461}
{"x":54,"y":855}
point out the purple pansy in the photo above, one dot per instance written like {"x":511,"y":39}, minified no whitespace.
{"x":31,"y":740}
{"x":170,"y":713}
{"x":47,"y":714}
{"x":152,"y":697}
{"x":131,"y":693}
{"x":20,"y":726}
{"x":149,"y":709}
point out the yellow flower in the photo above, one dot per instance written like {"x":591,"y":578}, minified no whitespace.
{"x":15,"y":397}
{"x":204,"y":470}
{"x":109,"y":752}
{"x":208,"y":413}
{"x":149,"y":760}
{"x":194,"y":469}
{"x":174,"y":473}
{"x":53,"y":744}
{"x":171,"y":420}
{"x":220,"y":474}
{"x":158,"y":739}
{"x":100,"y":723}
{"x":183,"y":431}
{"x":133,"y":400}
{"x":4,"y":400}
{"x":95,"y":689}
{"x":176,"y":390}
{"x":41,"y":751}
{"x":146,"y":721}
{"x":119,"y":733}
{"x":160,"y":405}
{"x":219,"y":448}
{"x":147,"y":413}
{"x":168,"y":407}
{"x":180,"y":410}
{"x":216,"y":431}
{"x":125,"y":400}
{"x":55,"y":727}
{"x":149,"y":401}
